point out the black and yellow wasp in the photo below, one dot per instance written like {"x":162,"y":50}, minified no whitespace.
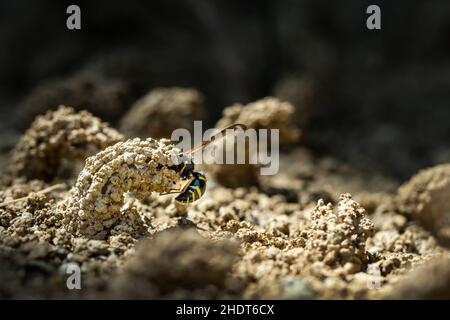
{"x":195,"y":186}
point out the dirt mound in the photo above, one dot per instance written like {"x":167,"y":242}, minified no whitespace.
{"x":104,"y":97}
{"x":267,"y":113}
{"x":426,"y":198}
{"x":56,"y":140}
{"x":298,"y":234}
{"x":162,"y":111}
{"x":179,"y":264}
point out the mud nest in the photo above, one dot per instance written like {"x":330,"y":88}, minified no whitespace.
{"x":53,"y":143}
{"x":162,"y":111}
{"x":137,"y":166}
{"x":267,"y":113}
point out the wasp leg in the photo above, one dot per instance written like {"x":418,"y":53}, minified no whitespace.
{"x":183,"y":188}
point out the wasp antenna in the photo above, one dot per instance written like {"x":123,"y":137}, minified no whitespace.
{"x":214,"y":138}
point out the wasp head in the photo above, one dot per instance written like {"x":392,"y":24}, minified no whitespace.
{"x":185,"y":166}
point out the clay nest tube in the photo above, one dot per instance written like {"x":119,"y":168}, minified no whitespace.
{"x":105,"y":98}
{"x":267,"y":113}
{"x":426,"y":198}
{"x":53,"y":143}
{"x":179,"y":263}
{"x":162,"y":111}
{"x":137,"y":167}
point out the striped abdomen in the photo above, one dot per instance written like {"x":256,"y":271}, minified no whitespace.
{"x":195,"y":190}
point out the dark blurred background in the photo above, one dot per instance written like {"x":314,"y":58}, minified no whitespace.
{"x":378,"y":99}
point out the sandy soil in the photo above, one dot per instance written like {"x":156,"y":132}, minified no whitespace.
{"x":319,"y":229}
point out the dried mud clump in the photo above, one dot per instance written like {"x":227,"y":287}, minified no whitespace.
{"x":426,"y":198}
{"x":267,"y":113}
{"x":56,"y":139}
{"x":179,"y":264}
{"x":138,"y":167}
{"x":162,"y":111}
{"x":338,"y":237}
{"x":105,"y":98}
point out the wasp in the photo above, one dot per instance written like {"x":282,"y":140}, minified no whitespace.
{"x":195,"y":182}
